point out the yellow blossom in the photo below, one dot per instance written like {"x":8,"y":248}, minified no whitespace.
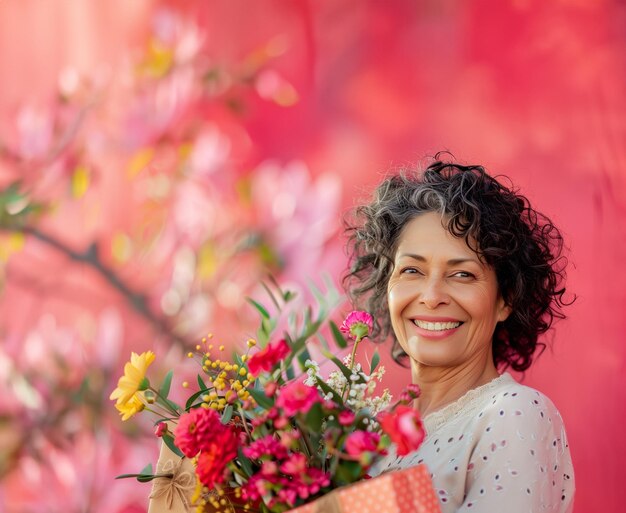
{"x":133,"y":379}
{"x":131,"y":407}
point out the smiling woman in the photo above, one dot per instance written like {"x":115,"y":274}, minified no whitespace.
{"x":465,"y":276}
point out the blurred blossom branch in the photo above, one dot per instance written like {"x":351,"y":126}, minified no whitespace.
{"x":91,"y":258}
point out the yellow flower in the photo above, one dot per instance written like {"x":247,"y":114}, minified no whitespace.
{"x":131,"y":407}
{"x":133,"y":380}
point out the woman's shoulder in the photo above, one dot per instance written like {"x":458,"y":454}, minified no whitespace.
{"x":517,"y":400}
{"x":523,"y":410}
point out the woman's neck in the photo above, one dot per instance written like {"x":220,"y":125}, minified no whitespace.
{"x":441,"y":386}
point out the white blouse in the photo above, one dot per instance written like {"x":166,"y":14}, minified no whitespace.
{"x":500,"y":448}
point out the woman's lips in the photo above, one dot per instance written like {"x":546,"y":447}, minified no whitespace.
{"x":436,"y":329}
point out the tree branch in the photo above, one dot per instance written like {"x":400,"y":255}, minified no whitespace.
{"x":91,"y":258}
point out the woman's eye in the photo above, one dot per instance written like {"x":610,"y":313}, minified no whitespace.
{"x":463,"y":274}
{"x":408,"y":270}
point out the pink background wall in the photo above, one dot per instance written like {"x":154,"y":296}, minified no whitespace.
{"x":530,"y":89}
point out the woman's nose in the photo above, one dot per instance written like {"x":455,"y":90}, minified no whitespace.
{"x":434,"y":294}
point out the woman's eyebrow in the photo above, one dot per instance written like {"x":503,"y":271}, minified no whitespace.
{"x":452,"y":261}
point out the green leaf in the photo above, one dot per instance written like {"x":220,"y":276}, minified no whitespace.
{"x":344,"y":369}
{"x":314,"y":418}
{"x":164,"y":391}
{"x":144,"y":475}
{"x":271,"y":295}
{"x":338,"y":336}
{"x":245,"y":463}
{"x":169,"y":441}
{"x":260,"y":308}
{"x":167,"y":403}
{"x":375,"y":361}
{"x":227,"y":414}
{"x":290,"y":372}
{"x":192,"y":399}
{"x":262,"y":400}
{"x":303,"y":356}
{"x":323,"y":342}
{"x":201,"y":384}
{"x":327,"y":390}
{"x":348,"y":472}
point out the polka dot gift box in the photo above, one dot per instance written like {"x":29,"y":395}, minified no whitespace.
{"x":404,"y":491}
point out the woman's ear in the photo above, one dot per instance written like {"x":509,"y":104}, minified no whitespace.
{"x":504,"y":310}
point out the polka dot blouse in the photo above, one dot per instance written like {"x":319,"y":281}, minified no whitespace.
{"x":500,"y":447}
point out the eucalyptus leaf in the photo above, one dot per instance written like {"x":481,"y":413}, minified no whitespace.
{"x":259,"y":307}
{"x":338,"y":336}
{"x":164,"y":391}
{"x":262,"y":400}
{"x":375,"y":361}
{"x":227,"y":414}
{"x":169,"y":441}
{"x":314,"y":418}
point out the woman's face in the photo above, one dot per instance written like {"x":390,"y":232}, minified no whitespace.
{"x":443,"y":301}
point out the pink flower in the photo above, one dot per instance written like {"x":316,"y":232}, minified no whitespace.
{"x":160,"y":429}
{"x":412,"y":391}
{"x":265,"y":359}
{"x":270,"y":388}
{"x":269,"y":468}
{"x":214,"y":457}
{"x":296,"y":397}
{"x":266,"y":446}
{"x":196,"y":429}
{"x":404,"y":427}
{"x":359,"y":442}
{"x":346,"y":417}
{"x":357,"y":325}
{"x":294,"y":465}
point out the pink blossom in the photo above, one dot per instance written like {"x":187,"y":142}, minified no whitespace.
{"x":266,"y":446}
{"x":296,"y":397}
{"x":268,"y":357}
{"x":404,"y":427}
{"x":294,"y":465}
{"x":269,"y":468}
{"x":160,"y":429}
{"x":359,"y":442}
{"x":346,"y":417}
{"x":270,"y":388}
{"x":357,"y":324}
{"x":412,"y":391}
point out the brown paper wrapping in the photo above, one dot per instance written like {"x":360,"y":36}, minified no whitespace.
{"x":172,"y":495}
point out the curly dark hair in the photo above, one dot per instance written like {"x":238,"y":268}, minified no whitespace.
{"x":520,"y":244}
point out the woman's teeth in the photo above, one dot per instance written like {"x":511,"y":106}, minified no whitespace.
{"x":436,"y":326}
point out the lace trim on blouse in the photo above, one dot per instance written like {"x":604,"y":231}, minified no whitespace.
{"x":470,"y":401}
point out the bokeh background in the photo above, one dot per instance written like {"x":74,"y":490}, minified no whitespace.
{"x":159,"y":158}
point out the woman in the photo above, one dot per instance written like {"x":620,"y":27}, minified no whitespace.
{"x":465,"y":276}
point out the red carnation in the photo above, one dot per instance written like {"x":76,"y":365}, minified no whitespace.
{"x":404,"y":427}
{"x":265,"y":359}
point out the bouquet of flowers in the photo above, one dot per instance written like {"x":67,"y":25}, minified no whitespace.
{"x":263,"y":437}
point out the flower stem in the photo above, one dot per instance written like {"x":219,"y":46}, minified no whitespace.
{"x":165,"y":404}
{"x":345,"y":393}
{"x":356,"y":343}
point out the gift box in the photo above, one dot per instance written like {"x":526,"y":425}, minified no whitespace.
{"x":402,"y":491}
